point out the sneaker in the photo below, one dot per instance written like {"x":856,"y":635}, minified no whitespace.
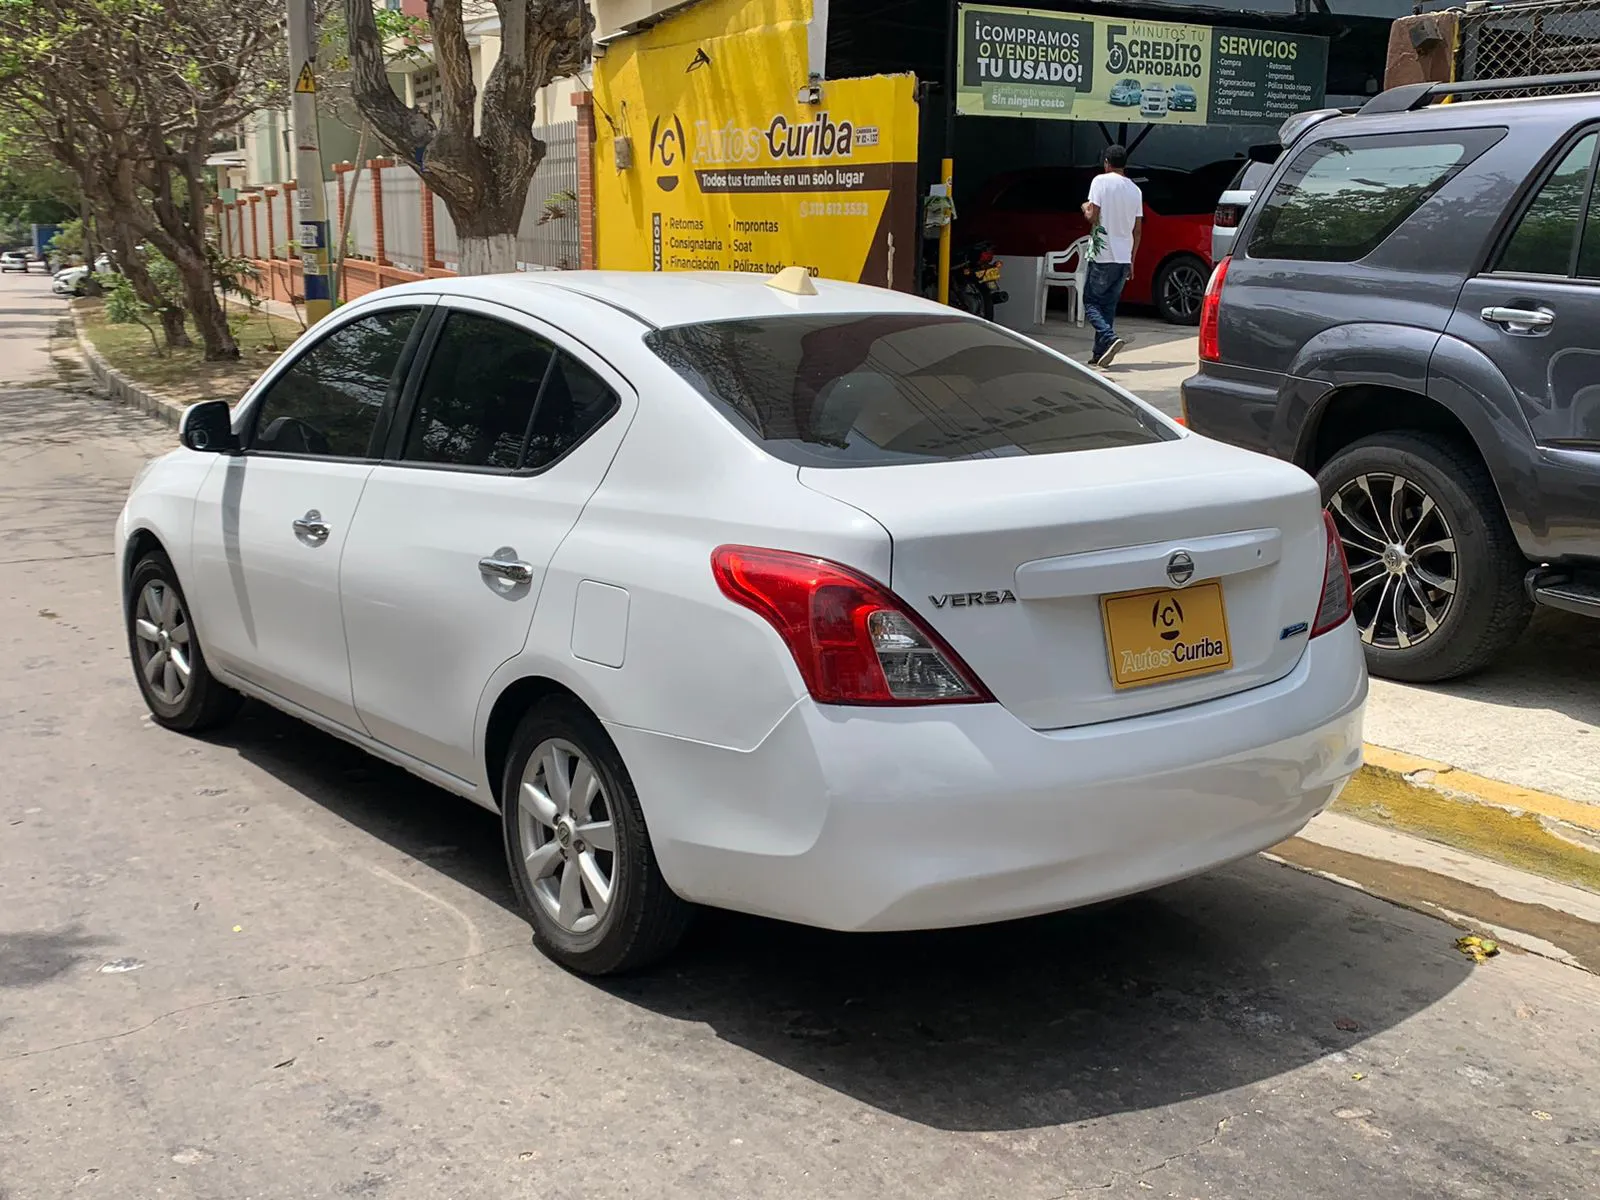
{"x":1111,"y":352}
{"x":1093,"y":361}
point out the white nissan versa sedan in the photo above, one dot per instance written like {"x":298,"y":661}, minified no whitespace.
{"x":826,"y":603}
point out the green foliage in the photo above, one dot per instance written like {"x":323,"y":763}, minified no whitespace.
{"x":123,"y":305}
{"x":69,"y":240}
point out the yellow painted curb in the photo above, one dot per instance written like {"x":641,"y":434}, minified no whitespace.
{"x":1547,"y":835}
{"x":1445,"y":778}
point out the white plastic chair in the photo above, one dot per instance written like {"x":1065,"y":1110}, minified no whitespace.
{"x":1068,"y":269}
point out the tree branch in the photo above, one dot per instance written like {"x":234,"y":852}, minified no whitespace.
{"x":404,"y":130}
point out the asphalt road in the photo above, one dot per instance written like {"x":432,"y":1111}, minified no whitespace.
{"x":264,"y":965}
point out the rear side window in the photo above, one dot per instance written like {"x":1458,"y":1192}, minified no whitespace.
{"x":478,"y":394}
{"x":1341,"y":197}
{"x":1250,"y":177}
{"x":1546,"y":239}
{"x":852,"y":390}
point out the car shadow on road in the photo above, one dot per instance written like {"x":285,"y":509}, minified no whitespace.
{"x":1201,"y":988}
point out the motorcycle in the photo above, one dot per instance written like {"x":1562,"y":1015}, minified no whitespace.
{"x":974,"y":280}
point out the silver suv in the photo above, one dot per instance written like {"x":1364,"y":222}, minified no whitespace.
{"x":1409,"y":313}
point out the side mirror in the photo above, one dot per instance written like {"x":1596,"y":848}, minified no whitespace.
{"x":208,"y":427}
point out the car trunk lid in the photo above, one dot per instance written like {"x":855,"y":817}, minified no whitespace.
{"x":1012,"y":559}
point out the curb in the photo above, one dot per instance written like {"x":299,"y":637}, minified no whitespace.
{"x":118,"y":387}
{"x":1531,"y":830}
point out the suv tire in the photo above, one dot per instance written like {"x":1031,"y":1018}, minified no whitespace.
{"x":597,"y":906}
{"x":1440,"y":521}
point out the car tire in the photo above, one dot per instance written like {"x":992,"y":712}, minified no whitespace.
{"x":158,"y":620}
{"x":1179,"y":287}
{"x":556,"y":820}
{"x":1486,"y":608}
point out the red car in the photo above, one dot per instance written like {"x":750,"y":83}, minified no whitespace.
{"x":1035,"y":212}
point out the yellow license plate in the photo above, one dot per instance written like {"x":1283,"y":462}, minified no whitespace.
{"x":989,"y":275}
{"x":1166,"y":633}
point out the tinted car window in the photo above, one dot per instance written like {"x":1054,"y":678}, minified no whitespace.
{"x":573,"y":404}
{"x":478,"y":395}
{"x":1250,"y":177}
{"x":1341,"y":197}
{"x":854,"y":390}
{"x":1547,"y":234}
{"x":1589,"y":250}
{"x":328,"y":401}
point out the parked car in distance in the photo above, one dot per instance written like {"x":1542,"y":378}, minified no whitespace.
{"x":1125,"y":93}
{"x":681,"y":574}
{"x":15,"y":260}
{"x":1153,"y":101}
{"x":1182,"y":98}
{"x":1038,"y":211}
{"x":69,"y":281}
{"x":1233,"y":204}
{"x":1410,"y":313}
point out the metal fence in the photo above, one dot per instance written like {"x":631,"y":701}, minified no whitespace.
{"x":1502,"y":41}
{"x":548,"y":236}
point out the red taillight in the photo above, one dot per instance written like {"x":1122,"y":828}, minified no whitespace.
{"x":854,"y":641}
{"x":1334,"y":608}
{"x":986,"y":257}
{"x":1227,"y":216}
{"x":1210,"y":312}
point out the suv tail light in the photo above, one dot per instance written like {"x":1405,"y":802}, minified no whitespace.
{"x":1210,"y":312}
{"x":1227,"y":216}
{"x":1334,"y":608}
{"x":854,"y":641}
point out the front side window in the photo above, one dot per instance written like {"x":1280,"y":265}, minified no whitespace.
{"x":328,"y":401}
{"x":854,"y":390}
{"x":1341,"y":197}
{"x":1546,"y":237}
{"x":478,"y":395}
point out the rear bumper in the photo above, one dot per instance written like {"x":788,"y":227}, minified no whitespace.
{"x":1235,"y":407}
{"x":915,"y":819}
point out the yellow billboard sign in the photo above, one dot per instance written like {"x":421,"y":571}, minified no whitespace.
{"x":715,"y":150}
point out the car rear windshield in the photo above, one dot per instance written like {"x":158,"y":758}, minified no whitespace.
{"x":864,"y":390}
{"x":1341,"y":197}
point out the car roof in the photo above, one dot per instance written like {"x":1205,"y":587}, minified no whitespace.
{"x":1463,"y":114}
{"x":664,"y":298}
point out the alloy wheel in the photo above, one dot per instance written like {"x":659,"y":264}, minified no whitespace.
{"x":1183,"y":290}
{"x":162,"y":636}
{"x":567,"y":836}
{"x":1402,"y":556}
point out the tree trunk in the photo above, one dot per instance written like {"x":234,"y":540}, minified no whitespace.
{"x":493,"y":254}
{"x":200,"y":297}
{"x":131,"y":263}
{"x":172,"y":328}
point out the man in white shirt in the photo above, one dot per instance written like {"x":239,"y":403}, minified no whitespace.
{"x":1115,"y":210}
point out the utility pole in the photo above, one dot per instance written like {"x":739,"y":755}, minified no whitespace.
{"x":311,"y":198}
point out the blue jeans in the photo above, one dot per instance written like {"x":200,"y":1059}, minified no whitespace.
{"x":1102,"y":288}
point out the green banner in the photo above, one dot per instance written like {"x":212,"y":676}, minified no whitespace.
{"x":1020,"y":62}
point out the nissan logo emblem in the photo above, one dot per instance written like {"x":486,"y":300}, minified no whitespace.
{"x":1180,"y":568}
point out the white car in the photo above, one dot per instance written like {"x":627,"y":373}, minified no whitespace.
{"x":1153,"y":100}
{"x":829,"y":604}
{"x":69,"y":281}
{"x":15,"y":260}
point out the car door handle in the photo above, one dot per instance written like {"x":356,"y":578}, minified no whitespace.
{"x":513,"y":570}
{"x":1519,"y":320}
{"x":312,"y":527}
